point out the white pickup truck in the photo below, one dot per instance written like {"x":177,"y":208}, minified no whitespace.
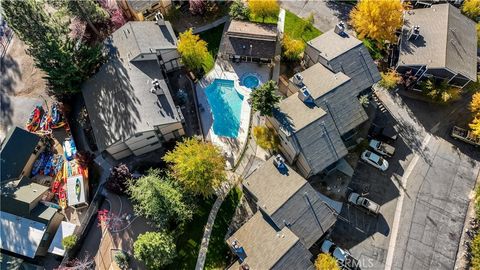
{"x":356,"y":199}
{"x":382,"y":148}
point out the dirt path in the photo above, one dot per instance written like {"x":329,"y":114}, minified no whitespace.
{"x":22,"y":87}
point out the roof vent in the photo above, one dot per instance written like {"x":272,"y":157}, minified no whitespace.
{"x":159,"y":19}
{"x":298,"y":80}
{"x":340,"y":28}
{"x":245,"y":266}
{"x":414,"y":33}
{"x":304,"y":95}
{"x":156,"y":89}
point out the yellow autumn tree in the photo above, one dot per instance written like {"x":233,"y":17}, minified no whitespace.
{"x":193,"y":50}
{"x":263,"y":8}
{"x":377,"y":19}
{"x":292,"y":48}
{"x":390,"y":79}
{"x":265,"y":137}
{"x":471,"y":8}
{"x":475,"y":103}
{"x":478,"y":34}
{"x":475,"y":126}
{"x":198,"y":166}
{"x":326,"y":262}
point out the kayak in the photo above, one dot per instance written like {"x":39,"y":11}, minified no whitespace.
{"x":56,"y":115}
{"x":48,"y":165}
{"x":70,"y":149}
{"x":33,"y":122}
{"x":39,"y":163}
{"x":57,"y":164}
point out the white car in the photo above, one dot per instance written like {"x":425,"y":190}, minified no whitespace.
{"x":339,"y":254}
{"x":360,"y":201}
{"x":375,"y":160}
{"x":382,"y":148}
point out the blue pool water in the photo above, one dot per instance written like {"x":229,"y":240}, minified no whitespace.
{"x":226,"y":105}
{"x":250,"y":81}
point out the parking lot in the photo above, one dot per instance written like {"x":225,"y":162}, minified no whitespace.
{"x":423,"y":195}
{"x":366,"y":235}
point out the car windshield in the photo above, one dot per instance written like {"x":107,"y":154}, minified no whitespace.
{"x":379,"y":144}
{"x":367,"y":154}
{"x":380,"y":161}
{"x":366,"y":203}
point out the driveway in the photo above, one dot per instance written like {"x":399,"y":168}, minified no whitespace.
{"x":326,"y":13}
{"x":365,"y":235}
{"x":424,"y":195}
{"x":438,"y":183}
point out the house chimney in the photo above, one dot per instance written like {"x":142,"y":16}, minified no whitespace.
{"x":279,"y":163}
{"x":298,"y":80}
{"x":156,"y":89}
{"x":340,"y":28}
{"x":304,"y":95}
{"x":159,"y":19}
{"x":414,"y":32}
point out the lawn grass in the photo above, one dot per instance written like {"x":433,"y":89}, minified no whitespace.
{"x":218,"y":251}
{"x":213,"y":37}
{"x":295,"y":28}
{"x":267,"y":20}
{"x":209,"y":63}
{"x":188,"y":243}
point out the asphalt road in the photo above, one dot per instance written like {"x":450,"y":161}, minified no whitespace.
{"x":326,"y":13}
{"x":424,"y":195}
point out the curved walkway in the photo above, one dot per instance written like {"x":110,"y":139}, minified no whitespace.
{"x":240,"y":172}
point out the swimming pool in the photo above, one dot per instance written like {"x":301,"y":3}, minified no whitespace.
{"x":250,"y":80}
{"x":226,"y":105}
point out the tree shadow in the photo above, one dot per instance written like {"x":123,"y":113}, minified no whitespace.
{"x":112,"y":102}
{"x":439,"y":120}
{"x":10,"y":74}
{"x":340,"y":9}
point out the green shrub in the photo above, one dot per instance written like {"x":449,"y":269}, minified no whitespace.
{"x":121,"y":259}
{"x":439,"y":91}
{"x":69,"y":242}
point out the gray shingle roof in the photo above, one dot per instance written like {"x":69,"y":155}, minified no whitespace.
{"x":342,"y":104}
{"x":252,"y":30}
{"x":142,"y":5}
{"x":348,"y":55}
{"x":314,"y":131}
{"x":331,"y":45}
{"x":139,"y":37}
{"x":320,"y":144}
{"x":447,"y":40}
{"x":241,"y":35}
{"x":290,"y":201}
{"x":306,"y":215}
{"x":16,"y":149}
{"x":296,"y":115}
{"x":266,"y":247}
{"x":118,"y":97}
{"x":271,"y":188}
{"x":320,"y":80}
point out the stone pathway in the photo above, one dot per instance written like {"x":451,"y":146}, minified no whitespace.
{"x":247,"y":164}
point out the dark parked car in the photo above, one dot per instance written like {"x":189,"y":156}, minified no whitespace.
{"x":383,"y":133}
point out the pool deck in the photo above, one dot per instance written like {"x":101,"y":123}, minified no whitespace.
{"x":231,"y":147}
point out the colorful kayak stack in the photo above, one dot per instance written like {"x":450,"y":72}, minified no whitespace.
{"x":41,"y":121}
